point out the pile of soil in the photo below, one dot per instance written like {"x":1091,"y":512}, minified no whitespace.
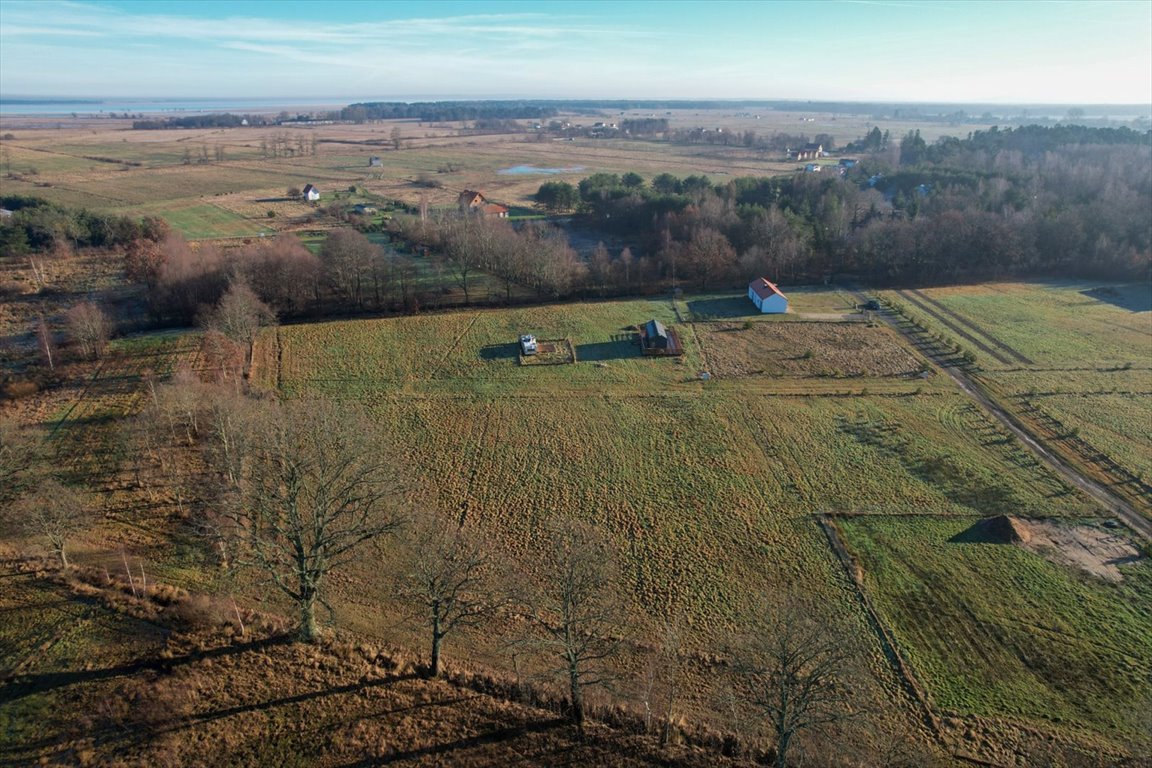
{"x":1002,"y":529}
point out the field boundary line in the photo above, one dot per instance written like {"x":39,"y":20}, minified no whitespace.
{"x":887,"y":643}
{"x":452,"y":349}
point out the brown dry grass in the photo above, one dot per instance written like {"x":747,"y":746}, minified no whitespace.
{"x":802,"y":349}
{"x":183,"y":687}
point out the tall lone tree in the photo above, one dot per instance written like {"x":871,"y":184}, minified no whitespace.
{"x":446,"y":580}
{"x":54,"y":512}
{"x":794,"y":673}
{"x":316,"y":485}
{"x":239,"y":315}
{"x":577,"y":611}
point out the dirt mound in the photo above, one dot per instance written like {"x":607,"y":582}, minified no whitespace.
{"x":1002,"y":529}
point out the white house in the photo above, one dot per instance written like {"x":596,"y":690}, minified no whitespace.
{"x":311,"y":194}
{"x":767,"y":297}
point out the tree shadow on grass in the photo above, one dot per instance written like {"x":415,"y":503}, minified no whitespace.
{"x":492,"y":737}
{"x":25,"y":685}
{"x":1134,"y":298}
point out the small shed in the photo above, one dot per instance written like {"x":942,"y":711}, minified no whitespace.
{"x":656,"y":334}
{"x":657,"y":339}
{"x":767,"y":297}
{"x":374,"y":161}
{"x":311,"y":194}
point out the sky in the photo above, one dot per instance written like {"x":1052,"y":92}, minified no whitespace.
{"x":939,"y":51}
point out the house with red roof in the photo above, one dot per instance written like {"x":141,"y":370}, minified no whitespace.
{"x":767,"y":297}
{"x":471,"y":201}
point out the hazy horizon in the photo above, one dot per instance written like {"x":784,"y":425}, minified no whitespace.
{"x":895,"y":51}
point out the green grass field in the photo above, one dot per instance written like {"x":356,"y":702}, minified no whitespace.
{"x":707,"y":487}
{"x":995,"y":630}
{"x":1073,"y":360}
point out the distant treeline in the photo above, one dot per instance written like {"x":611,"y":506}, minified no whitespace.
{"x":218,"y":120}
{"x":447,"y":111}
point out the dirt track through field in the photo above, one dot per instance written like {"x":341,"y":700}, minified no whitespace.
{"x":1115,"y":505}
{"x":965,"y":329}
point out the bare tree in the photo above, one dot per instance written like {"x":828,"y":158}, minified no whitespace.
{"x":446,"y":580}
{"x":576,"y":610}
{"x":464,"y":240}
{"x":793,"y":673}
{"x":348,"y":258}
{"x":239,"y":316}
{"x":53,"y":512}
{"x":45,"y":342}
{"x":315,"y":487}
{"x":663,"y":679}
{"x":89,"y":327}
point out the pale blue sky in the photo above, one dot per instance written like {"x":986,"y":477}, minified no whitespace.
{"x":1038,"y":51}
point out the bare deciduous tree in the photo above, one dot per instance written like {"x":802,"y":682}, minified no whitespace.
{"x":446,"y":580}
{"x":316,"y":486}
{"x":577,"y":611}
{"x":239,"y":316}
{"x":53,"y":512}
{"x":45,"y":342}
{"x":793,"y":673}
{"x":89,"y":327}
{"x":663,"y":679}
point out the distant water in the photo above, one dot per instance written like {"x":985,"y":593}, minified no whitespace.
{"x":31,"y":106}
{"x":520,"y":170}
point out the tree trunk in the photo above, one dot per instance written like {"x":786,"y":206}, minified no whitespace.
{"x":782,"y":750}
{"x":437,"y":638}
{"x":63,"y":556}
{"x":577,"y":701}
{"x":309,"y":631}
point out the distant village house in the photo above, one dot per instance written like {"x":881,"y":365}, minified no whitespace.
{"x":470,"y":201}
{"x":767,"y":297}
{"x":374,"y":161}
{"x":311,"y":194}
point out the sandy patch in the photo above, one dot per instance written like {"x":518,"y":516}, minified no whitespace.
{"x":1096,"y":550}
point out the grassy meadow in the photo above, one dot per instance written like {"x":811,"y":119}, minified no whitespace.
{"x":998,"y":631}
{"x":708,"y":489}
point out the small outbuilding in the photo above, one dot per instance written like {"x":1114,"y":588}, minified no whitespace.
{"x":311,"y":194}
{"x":658,"y":339}
{"x":767,"y":297}
{"x":374,"y":161}
{"x":656,"y":334}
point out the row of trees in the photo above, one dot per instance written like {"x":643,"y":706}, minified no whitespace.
{"x":300,"y":489}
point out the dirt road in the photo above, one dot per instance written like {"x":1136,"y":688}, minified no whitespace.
{"x":1117,"y":506}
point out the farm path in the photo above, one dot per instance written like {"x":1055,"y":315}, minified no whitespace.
{"x":1132,"y":517}
{"x":913,"y":298}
